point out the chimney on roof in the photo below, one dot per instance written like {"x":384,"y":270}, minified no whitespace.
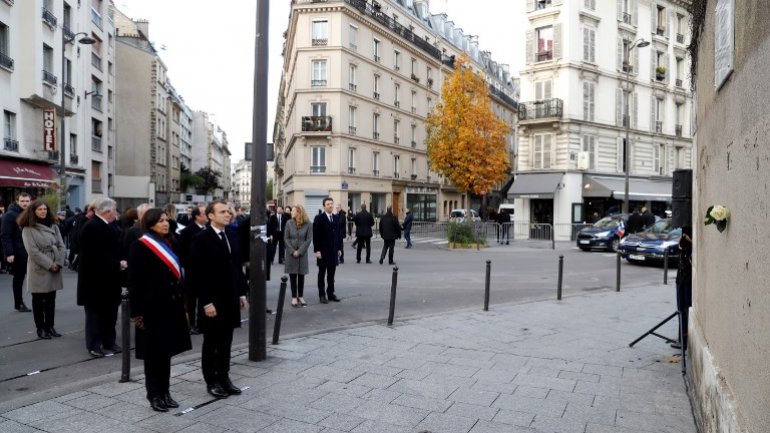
{"x":144,"y":28}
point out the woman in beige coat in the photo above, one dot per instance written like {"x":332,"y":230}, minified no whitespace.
{"x":45,"y":247}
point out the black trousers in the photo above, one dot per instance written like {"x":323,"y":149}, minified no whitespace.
{"x":297,"y":282}
{"x":388,"y":247}
{"x":327,"y":272}
{"x":281,"y":247}
{"x":157,"y":373}
{"x":100,"y":327}
{"x":19,"y":271}
{"x":192,"y":302}
{"x":215,"y":353}
{"x":362,"y":241}
{"x":43,"y":306}
{"x":342,"y":252}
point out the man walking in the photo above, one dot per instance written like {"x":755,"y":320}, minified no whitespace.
{"x":327,"y":246}
{"x":13,"y":249}
{"x":196,"y":225}
{"x":99,"y":278}
{"x":342,"y":218}
{"x":407,"y":226}
{"x":364,"y":223}
{"x":390,"y":230}
{"x":216,"y":277}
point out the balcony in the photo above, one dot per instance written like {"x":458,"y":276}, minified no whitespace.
{"x":96,"y":143}
{"x":395,"y":175}
{"x":415,"y":78}
{"x":678,"y":82}
{"x":352,"y":87}
{"x":414,"y":109}
{"x":49,"y":78}
{"x":678,"y":130}
{"x":430,"y":83}
{"x":627,"y":18}
{"x":96,"y":18}
{"x":96,"y":61}
{"x":68,"y":34}
{"x":543,"y":56}
{"x":69,"y":90}
{"x":376,"y":135}
{"x":351,"y":170}
{"x":318,"y":83}
{"x":376,"y":95}
{"x":49,"y":18}
{"x":659,"y":126}
{"x":316,"y":124}
{"x":53,"y":155}
{"x":320,"y":42}
{"x":376,"y":58}
{"x":318,"y":169}
{"x":547,"y":108}
{"x":96,"y":184}
{"x":396,"y":139}
{"x":507,"y":100}
{"x":6,"y":62}
{"x":413,"y":177}
{"x":352,"y":130}
{"x":11,"y":145}
{"x":660,"y":31}
{"x":396,"y":68}
{"x":74,"y":159}
{"x":353,"y":46}
{"x":376,"y":173}
{"x":679,"y":38}
{"x":414,"y":144}
{"x":396,"y":104}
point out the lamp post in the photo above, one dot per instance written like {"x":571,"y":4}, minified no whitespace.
{"x":85,"y":40}
{"x":639,"y":43}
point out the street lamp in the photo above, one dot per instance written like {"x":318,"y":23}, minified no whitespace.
{"x":65,"y":39}
{"x":639,"y":43}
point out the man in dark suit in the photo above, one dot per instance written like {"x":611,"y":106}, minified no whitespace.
{"x":99,"y":278}
{"x":364,"y":223}
{"x":390,"y":230}
{"x":276,"y":225}
{"x":342,"y":217}
{"x":13,"y":249}
{"x":217,"y":279}
{"x":328,"y":248}
{"x":197,"y":223}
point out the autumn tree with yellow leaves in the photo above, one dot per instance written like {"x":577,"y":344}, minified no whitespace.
{"x":466,"y":140}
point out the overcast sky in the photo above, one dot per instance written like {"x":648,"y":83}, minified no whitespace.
{"x":208,"y":48}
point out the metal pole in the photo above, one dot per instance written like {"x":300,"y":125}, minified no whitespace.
{"x":486,"y":285}
{"x":665,"y":266}
{"x":393,"y":285}
{"x":257,"y":284}
{"x":279,"y":310}
{"x":553,"y":236}
{"x":561,"y":275}
{"x":617,"y":283}
{"x":627,"y":120}
{"x":62,"y":156}
{"x":125,"y":337}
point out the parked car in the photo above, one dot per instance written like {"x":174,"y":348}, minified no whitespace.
{"x":604,"y":234}
{"x":458,"y":216}
{"x":650,"y":245}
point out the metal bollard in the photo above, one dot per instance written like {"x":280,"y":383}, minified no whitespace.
{"x":486,"y":286}
{"x":665,"y":266}
{"x":561,"y":274}
{"x":125,"y":335}
{"x":279,"y":309}
{"x":393,"y":296}
{"x":617,"y":283}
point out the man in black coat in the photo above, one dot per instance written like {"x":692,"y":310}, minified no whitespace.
{"x":648,"y":219}
{"x":364,"y":223}
{"x":342,"y":217}
{"x":407,"y":226}
{"x":390,"y":230}
{"x":327,"y":246}
{"x":635,"y":222}
{"x":13,"y":249}
{"x":276,"y":224}
{"x":197,"y":223}
{"x":217,"y":279}
{"x":99,"y":277}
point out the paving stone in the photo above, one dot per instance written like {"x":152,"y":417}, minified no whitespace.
{"x":530,"y":405}
{"x":91,"y":402}
{"x":493,"y":427}
{"x":381,"y":395}
{"x":449,"y":380}
{"x":547,"y":424}
{"x":430,"y":404}
{"x":603,"y":370}
{"x":502,"y":388}
{"x":238,"y":419}
{"x":335,"y":374}
{"x":163,"y":423}
{"x":425,"y":389}
{"x":37,"y":412}
{"x":654,"y":422}
{"x":514,"y":417}
{"x":473,"y":411}
{"x":341,"y":422}
{"x":444,"y":423}
{"x":588,"y":413}
{"x":337,"y":403}
{"x":608,"y":390}
{"x":291,"y":426}
{"x":474,"y":396}
{"x":545,"y":382}
{"x":585,"y":377}
{"x":74,"y":395}
{"x":372,"y":380}
{"x":391,"y":413}
{"x":8,"y":426}
{"x":601,"y":428}
{"x":531,"y":391}
{"x":449,"y":370}
{"x":344,"y":388}
{"x":571,"y":397}
{"x":111,"y":389}
{"x":127,"y":412}
{"x":283,"y":409}
{"x":370,"y":426}
{"x":468,"y":354}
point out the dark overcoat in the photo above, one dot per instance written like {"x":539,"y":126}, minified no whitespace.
{"x":326,"y":239}
{"x":99,"y":269}
{"x":390,"y":229}
{"x":155,"y":294}
{"x":10,"y":233}
{"x":364,"y":223}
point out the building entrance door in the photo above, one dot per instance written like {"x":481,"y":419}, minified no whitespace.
{"x":396,"y":201}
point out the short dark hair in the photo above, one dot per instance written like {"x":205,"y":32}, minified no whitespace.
{"x":210,"y":206}
{"x":363,"y":207}
{"x":151,"y":217}
{"x":22,"y":194}
{"x":195,"y":212}
{"x":323,"y":203}
{"x":29,"y":219}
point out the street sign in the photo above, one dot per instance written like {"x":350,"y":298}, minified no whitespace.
{"x":49,"y":129}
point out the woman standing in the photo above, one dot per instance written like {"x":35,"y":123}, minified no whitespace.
{"x":297,"y":236}
{"x":157,"y":306}
{"x":45,"y":247}
{"x":170,"y":210}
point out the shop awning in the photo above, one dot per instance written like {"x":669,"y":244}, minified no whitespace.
{"x":638,"y":189}
{"x":535,"y":185}
{"x":22,"y":174}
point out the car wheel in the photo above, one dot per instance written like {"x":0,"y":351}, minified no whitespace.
{"x":584,"y":248}
{"x":614,"y":244}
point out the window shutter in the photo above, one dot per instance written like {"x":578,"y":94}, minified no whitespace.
{"x":634,"y":11}
{"x":635,"y":110}
{"x":670,"y":164}
{"x":619,"y":107}
{"x":530,"y":5}
{"x":669,"y":21}
{"x":652,"y":113}
{"x":592,"y":45}
{"x":653,"y":65}
{"x":547,"y":89}
{"x":547,"y":148}
{"x":557,"y":2}
{"x":557,"y":41}
{"x":620,"y":10}
{"x":654,"y":13}
{"x":635,"y":62}
{"x":619,"y":155}
{"x":620,"y":54}
{"x":668,"y":67}
{"x":530,"y":52}
{"x":586,"y":54}
{"x":585,"y":100}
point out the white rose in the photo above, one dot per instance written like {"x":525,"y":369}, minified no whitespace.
{"x":720,"y":213}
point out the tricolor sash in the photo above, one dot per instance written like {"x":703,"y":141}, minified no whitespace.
{"x":164,"y":253}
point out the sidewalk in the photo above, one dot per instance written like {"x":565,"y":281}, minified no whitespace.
{"x":538,"y":367}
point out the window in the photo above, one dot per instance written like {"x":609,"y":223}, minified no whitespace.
{"x":317,"y":159}
{"x":353,"y":37}
{"x":414,"y":67}
{"x":542,"y":4}
{"x":659,"y":158}
{"x":352,"y":70}
{"x":4,"y":35}
{"x":396,"y":132}
{"x":47,"y":58}
{"x":544,"y":43}
{"x":319,"y":108}
{"x":67,"y":17}
{"x":414,"y":135}
{"x":624,"y":13}
{"x":396,"y":93}
{"x":376,"y":49}
{"x":9,"y":125}
{"x":621,"y":156}
{"x":429,"y":75}
{"x":351,"y":160}
{"x":396,"y":166}
{"x":376,"y":94}
{"x":396,"y":60}
{"x":589,"y":45}
{"x":376,"y":126}
{"x":589,"y":148}
{"x":542,"y":151}
{"x":661,"y":21}
{"x":588,"y":100}
{"x":589,"y":4}
{"x":320,"y":33}
{"x":67,"y":72}
{"x":659,"y":106}
{"x":414,"y":101}
{"x":429,"y":104}
{"x":73,"y":148}
{"x":352,"y":120}
{"x":319,"y":73}
{"x":679,"y":119}
{"x":413,"y":171}
{"x":375,"y":164}
{"x":542,"y":90}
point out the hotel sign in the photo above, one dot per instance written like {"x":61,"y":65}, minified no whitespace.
{"x":49,"y":129}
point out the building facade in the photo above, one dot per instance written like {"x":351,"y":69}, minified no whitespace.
{"x":587,"y":74}
{"x":359,"y":79}
{"x":49,"y":72}
{"x":241,"y":183}
{"x":210,"y":149}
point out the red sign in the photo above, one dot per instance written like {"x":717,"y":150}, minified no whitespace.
{"x":49,"y":129}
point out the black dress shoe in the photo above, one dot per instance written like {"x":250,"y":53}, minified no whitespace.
{"x":391,"y":263}
{"x":170,"y":402}
{"x":334,"y":298}
{"x":381,"y":261}
{"x":158,"y":404}
{"x":369,"y":262}
{"x":323,"y":300}
{"x":217,"y":391}
{"x":23,"y":308}
{"x":229,"y":387}
{"x":96,"y":353}
{"x":114,"y":348}
{"x":52,"y":332}
{"x":43,"y":333}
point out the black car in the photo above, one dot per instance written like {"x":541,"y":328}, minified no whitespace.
{"x":605,"y":234}
{"x":650,"y":245}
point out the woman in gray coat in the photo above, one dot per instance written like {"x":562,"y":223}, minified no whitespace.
{"x":297,"y":237}
{"x":45,"y":247}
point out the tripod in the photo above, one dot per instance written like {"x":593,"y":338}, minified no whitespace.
{"x":668,"y":340}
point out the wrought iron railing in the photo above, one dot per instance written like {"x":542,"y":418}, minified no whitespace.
{"x":376,"y":135}
{"x":320,"y":42}
{"x":69,"y":90}
{"x":680,"y":38}
{"x":352,"y":130}
{"x":318,"y":169}
{"x":5,"y":61}
{"x":541,"y":109}
{"x":96,"y":17}
{"x":318,"y":83}
{"x":11,"y":145}
{"x":49,"y":17}
{"x":503,"y":97}
{"x":96,"y":143}
{"x":49,"y":78}
{"x":542,"y":56}
{"x":351,"y":170}
{"x":626,"y":18}
{"x":352,"y":87}
{"x":659,"y":126}
{"x":68,"y":34}
{"x":678,"y":129}
{"x":316,"y":123}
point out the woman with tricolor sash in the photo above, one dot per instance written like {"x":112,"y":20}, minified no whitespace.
{"x":155,"y":284}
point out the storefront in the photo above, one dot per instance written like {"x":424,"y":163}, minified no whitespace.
{"x":24,"y":176}
{"x":604,"y":194}
{"x":535,"y":194}
{"x":422,"y":203}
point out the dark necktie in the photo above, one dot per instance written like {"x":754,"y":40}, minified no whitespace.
{"x":224,"y":239}
{"x":279,"y":223}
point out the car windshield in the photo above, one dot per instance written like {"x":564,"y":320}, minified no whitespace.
{"x":607,"y":223}
{"x":664,"y":227}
